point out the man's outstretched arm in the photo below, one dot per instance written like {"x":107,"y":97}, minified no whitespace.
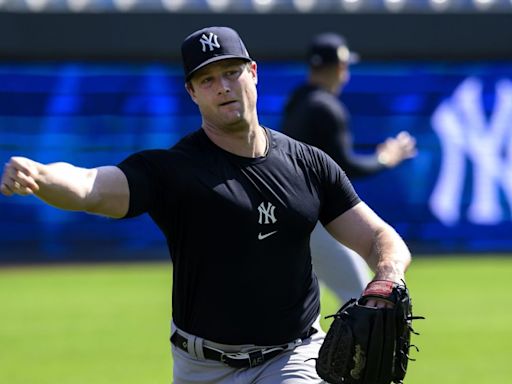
{"x":103,"y":190}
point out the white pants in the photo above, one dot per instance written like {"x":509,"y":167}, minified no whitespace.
{"x":338,"y":267}
{"x":295,"y":366}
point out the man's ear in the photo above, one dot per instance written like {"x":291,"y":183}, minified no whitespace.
{"x":190,"y":89}
{"x":254,"y":71}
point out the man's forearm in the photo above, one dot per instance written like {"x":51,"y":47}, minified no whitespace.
{"x":64,"y":185}
{"x":390,"y":256}
{"x":102,"y":191}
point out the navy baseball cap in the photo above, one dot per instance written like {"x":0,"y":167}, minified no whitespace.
{"x":330,"y":48}
{"x":209,"y":45}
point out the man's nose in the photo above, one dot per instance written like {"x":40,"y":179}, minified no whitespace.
{"x":223,"y":85}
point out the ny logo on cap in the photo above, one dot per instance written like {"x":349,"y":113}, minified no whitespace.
{"x":211,"y":41}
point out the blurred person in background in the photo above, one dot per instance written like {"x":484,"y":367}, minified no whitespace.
{"x":237,"y":203}
{"x":314,"y":114}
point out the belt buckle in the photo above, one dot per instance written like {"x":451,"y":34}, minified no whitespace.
{"x":253,"y":358}
{"x":236,"y":356}
{"x":256,"y":358}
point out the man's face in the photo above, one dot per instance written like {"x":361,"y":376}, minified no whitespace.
{"x":225,"y":92}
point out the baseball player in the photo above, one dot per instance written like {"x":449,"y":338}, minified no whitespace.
{"x":237,"y":203}
{"x":315,"y":115}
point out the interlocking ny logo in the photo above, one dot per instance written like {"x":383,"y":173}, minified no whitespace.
{"x":211,"y":41}
{"x":466,"y":134}
{"x":266,"y":214}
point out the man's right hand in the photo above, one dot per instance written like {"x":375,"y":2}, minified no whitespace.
{"x":396,"y":149}
{"x":19,"y":177}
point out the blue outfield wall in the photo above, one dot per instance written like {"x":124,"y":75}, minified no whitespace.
{"x":455,"y":196}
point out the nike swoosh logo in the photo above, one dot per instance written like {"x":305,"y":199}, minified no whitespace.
{"x":261,"y":237}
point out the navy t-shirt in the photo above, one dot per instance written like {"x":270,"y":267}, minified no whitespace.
{"x":238,"y":232}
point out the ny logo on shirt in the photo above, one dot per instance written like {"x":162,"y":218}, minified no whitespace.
{"x":266,"y":214}
{"x":211,"y":41}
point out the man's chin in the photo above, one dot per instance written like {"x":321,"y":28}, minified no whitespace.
{"x":234,"y":118}
{"x":236,"y":125}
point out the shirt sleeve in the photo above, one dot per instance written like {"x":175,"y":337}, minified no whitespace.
{"x":339,"y":194}
{"x":143,"y":182}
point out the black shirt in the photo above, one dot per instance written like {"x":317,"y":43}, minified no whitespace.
{"x":238,"y":232}
{"x":317,"y":117}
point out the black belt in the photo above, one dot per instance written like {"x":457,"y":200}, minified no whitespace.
{"x":240,"y":359}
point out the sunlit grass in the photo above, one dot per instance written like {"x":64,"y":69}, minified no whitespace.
{"x":110,"y":323}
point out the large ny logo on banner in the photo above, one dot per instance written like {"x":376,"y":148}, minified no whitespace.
{"x":466,"y":134}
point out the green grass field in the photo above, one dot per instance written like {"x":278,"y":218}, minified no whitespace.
{"x":110,"y":323}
